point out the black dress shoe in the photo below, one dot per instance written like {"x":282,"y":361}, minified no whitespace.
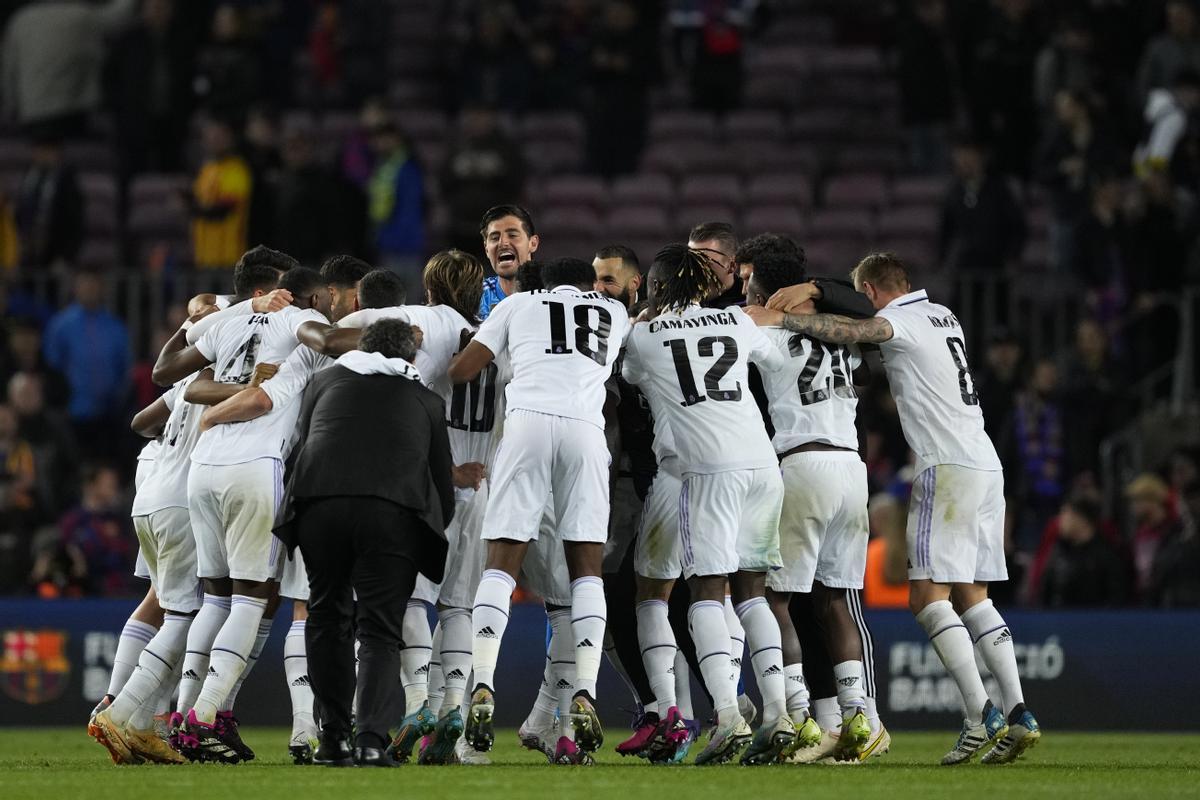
{"x":334,"y":753}
{"x":373,"y":757}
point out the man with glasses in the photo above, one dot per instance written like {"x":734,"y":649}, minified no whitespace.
{"x":718,"y":243}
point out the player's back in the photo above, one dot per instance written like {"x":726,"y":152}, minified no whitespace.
{"x":166,"y":486}
{"x":693,"y":367}
{"x":811,"y":398}
{"x":562,"y":345}
{"x":238,"y":344}
{"x":926,"y":364}
{"x":441,"y":328}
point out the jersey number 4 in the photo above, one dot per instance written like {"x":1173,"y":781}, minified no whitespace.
{"x":591,"y":341}
{"x":705,"y":348}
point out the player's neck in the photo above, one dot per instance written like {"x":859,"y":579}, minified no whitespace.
{"x":507,"y":285}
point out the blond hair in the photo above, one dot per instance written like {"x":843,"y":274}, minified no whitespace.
{"x":883,"y":271}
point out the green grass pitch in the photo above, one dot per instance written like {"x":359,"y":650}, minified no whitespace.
{"x":54,"y":763}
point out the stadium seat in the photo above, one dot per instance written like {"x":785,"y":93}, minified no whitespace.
{"x":711,"y":189}
{"x":577,"y":222}
{"x":754,"y":126}
{"x":646,"y":188}
{"x":688,"y":125}
{"x":779,"y":189}
{"x":786,"y":220}
{"x":918,"y":190}
{"x":918,"y":252}
{"x":917,"y":221}
{"x":835,"y":257}
{"x":647,"y":222}
{"x":158,"y":188}
{"x":574,"y":190}
{"x":557,"y":125}
{"x":691,"y":215}
{"x":842,"y":223}
{"x":782,"y":159}
{"x":856,"y":190}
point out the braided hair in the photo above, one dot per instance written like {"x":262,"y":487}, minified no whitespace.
{"x":684,"y":277}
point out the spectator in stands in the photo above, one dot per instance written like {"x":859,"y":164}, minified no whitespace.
{"x":95,"y":550}
{"x":885,"y":583}
{"x":1166,"y":115}
{"x":618,"y":105}
{"x":317,"y":214}
{"x":1183,"y":469}
{"x":90,"y":346}
{"x":495,"y":70}
{"x":1084,"y":569}
{"x":50,"y":64}
{"x":228,"y":74}
{"x":1035,"y":453}
{"x":396,"y":205}
{"x":220,"y":199}
{"x":717,"y":70}
{"x":1149,"y":503}
{"x":1068,"y":63}
{"x":10,"y":243}
{"x":25,"y":356}
{"x":1072,"y":153}
{"x":484,"y":167}
{"x":55,"y":454}
{"x":1098,"y":253}
{"x":49,"y":209}
{"x":982,"y":226}
{"x":999,"y":381}
{"x":357,"y":160}
{"x":261,"y":149}
{"x":1092,"y":382}
{"x":1174,"y":51}
{"x":1175,"y":575}
{"x":925,"y":73}
{"x":18,"y":501}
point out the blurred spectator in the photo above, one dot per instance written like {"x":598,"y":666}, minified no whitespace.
{"x":885,"y":583}
{"x":1149,"y":502}
{"x":1166,"y":116}
{"x":18,"y":484}
{"x":495,"y":69}
{"x":617,"y":79}
{"x":357,"y":159}
{"x":1066,"y":63}
{"x":1175,"y":575}
{"x":1036,"y":468}
{"x":925,"y":73}
{"x":998,"y":382}
{"x":316,"y":213}
{"x":50,"y":64}
{"x":1072,"y":153}
{"x":1084,"y":569}
{"x":1098,"y":252}
{"x":1175,"y":50}
{"x":25,"y":356}
{"x":49,"y":209}
{"x":484,"y":168}
{"x":96,"y":547}
{"x":558,"y":53}
{"x":982,"y":226}
{"x":91,"y":347}
{"x":55,"y":454}
{"x":325,"y":50}
{"x":717,"y":70}
{"x":261,"y":150}
{"x":397,"y":205}
{"x":1183,"y":469}
{"x":10,"y":244}
{"x":220,"y":199}
{"x":1091,"y":381}
{"x":362,"y":37}
{"x":228,"y":75}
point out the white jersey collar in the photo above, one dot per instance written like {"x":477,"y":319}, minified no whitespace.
{"x":566,"y":287}
{"x":907,"y":299}
{"x":376,"y":364}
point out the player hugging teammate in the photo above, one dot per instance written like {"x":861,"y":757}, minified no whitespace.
{"x":736,"y":426}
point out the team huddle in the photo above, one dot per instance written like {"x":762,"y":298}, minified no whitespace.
{"x":734,"y":409}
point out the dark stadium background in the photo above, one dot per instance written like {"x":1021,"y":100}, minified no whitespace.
{"x":994,"y":144}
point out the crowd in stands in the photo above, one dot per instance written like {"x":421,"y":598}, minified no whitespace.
{"x":1047,"y":150}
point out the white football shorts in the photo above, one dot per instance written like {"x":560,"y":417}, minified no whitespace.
{"x":233,"y":511}
{"x":658,"y":551}
{"x":169,"y":551}
{"x":466,"y":552}
{"x":956,"y":526}
{"x":729,"y":521}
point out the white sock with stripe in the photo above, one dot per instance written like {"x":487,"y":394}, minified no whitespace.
{"x":456,"y":655}
{"x":437,"y":679}
{"x":205,"y":627}
{"x":797,"y":692}
{"x":766,"y":654}
{"x":295,"y":669}
{"x":230,"y":655}
{"x":589,"y":615}
{"x":562,"y":668}
{"x":489,"y":619}
{"x":952,"y":643}
{"x":657,"y":642}
{"x":260,"y":641}
{"x":415,"y":656}
{"x":155,"y":665}
{"x":133,"y":640}
{"x":994,"y":642}
{"x":852,"y":698}
{"x":706,"y":622}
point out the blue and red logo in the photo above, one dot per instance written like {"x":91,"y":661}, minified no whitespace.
{"x":33,"y":665}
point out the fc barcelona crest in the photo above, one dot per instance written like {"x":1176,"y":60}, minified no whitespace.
{"x":33,"y":665}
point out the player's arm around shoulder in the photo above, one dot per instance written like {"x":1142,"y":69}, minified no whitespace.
{"x":831,"y":328}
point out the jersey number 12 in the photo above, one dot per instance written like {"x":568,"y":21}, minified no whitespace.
{"x":705,"y":348}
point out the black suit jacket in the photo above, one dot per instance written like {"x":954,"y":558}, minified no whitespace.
{"x":379,"y":436}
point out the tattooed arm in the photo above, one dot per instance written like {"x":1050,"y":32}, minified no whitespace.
{"x":826,"y":327}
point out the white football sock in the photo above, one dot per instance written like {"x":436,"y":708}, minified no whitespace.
{"x":155,"y":665}
{"x":456,"y":655}
{"x":737,"y":636}
{"x":545,"y":706}
{"x":260,"y":641}
{"x":657,"y":642}
{"x":562,"y":668}
{"x":706,"y":622}
{"x":414,"y":656}
{"x":994,"y":642}
{"x":952,"y":643}
{"x":162,"y":698}
{"x":589,"y":613}
{"x":852,"y":698}
{"x":134,"y":638}
{"x":230,"y":655}
{"x":437,"y":679}
{"x":295,"y":668}
{"x":797,"y":692}
{"x":489,"y":619}
{"x":683,"y":686}
{"x":204,"y":630}
{"x":828,"y":713}
{"x":766,"y":654}
{"x":872,"y":711}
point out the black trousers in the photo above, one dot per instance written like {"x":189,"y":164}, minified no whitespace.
{"x":361,"y":545}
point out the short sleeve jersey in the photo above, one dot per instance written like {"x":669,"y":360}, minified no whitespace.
{"x":694,"y":368}
{"x":812,"y":398}
{"x":166,"y":487}
{"x":235,"y":347}
{"x":926,"y":364}
{"x":562,"y":345}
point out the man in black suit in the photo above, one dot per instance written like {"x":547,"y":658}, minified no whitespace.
{"x":368,"y":498}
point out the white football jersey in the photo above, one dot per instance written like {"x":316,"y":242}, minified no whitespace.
{"x":205,"y":324}
{"x":166,"y":486}
{"x":694,"y":368}
{"x":562,"y":345}
{"x":235,"y":347}
{"x":926,"y":363}
{"x":150,"y":451}
{"x":812,"y":397}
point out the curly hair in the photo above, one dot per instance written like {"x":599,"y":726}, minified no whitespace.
{"x":455,"y":279}
{"x":684,"y":277}
{"x":391,"y":338}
